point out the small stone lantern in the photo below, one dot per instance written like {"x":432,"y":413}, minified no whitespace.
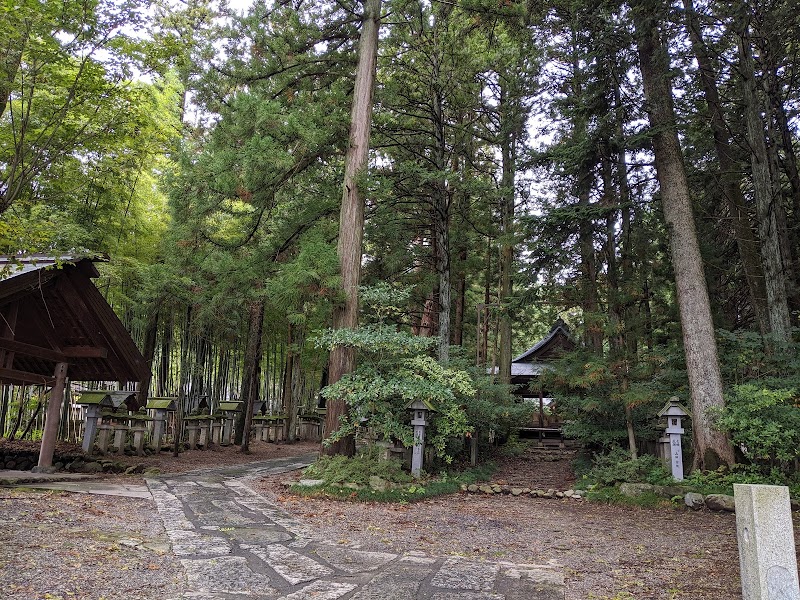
{"x":161,"y":406}
{"x":94,"y":401}
{"x":675,"y":413}
{"x":229,"y":411}
{"x":420,"y":410}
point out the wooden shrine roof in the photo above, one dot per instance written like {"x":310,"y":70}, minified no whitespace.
{"x":52,"y":312}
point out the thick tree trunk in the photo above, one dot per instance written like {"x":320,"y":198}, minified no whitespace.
{"x":730,"y":173}
{"x":767,"y":193}
{"x":507,"y":151}
{"x":351,"y":220}
{"x":712,"y":447}
{"x":442,"y":232}
{"x":252,"y":373}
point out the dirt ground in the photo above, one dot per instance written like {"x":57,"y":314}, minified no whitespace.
{"x":61,"y":546}
{"x":608,"y":552}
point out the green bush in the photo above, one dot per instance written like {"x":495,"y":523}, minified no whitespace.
{"x":721,"y":481}
{"x":338,"y":470}
{"x":764,"y":424}
{"x":617,"y":467}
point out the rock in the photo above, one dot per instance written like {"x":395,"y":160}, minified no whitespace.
{"x":472,"y":488}
{"x":59,"y":465}
{"x":91,"y":467}
{"x":309,"y":482}
{"x":130,"y":470}
{"x":486,"y":489}
{"x":569,"y":493}
{"x":463,"y":487}
{"x":721,"y":502}
{"x":559,"y":494}
{"x":151,"y":471}
{"x":526,"y":490}
{"x":378,"y":484}
{"x":548,"y":494}
{"x":516,"y":491}
{"x":670,"y":491}
{"x":537,"y":493}
{"x":38,"y":469}
{"x":794,"y":504}
{"x":351,"y":485}
{"x":10,"y":464}
{"x":25,"y":465}
{"x":75,"y":466}
{"x":694,"y":500}
{"x":496,"y":488}
{"x":634,"y":490}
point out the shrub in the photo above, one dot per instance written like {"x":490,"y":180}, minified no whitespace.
{"x":721,"y":481}
{"x":617,"y":467}
{"x":338,"y":470}
{"x":764,"y":424}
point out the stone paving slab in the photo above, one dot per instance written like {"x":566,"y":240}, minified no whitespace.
{"x":94,"y":487}
{"x":11,"y":477}
{"x":233,"y":543}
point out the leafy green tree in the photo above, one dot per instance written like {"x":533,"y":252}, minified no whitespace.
{"x":395,"y":370}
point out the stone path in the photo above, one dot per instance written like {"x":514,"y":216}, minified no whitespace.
{"x":233,"y":543}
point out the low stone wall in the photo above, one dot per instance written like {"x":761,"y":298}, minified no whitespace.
{"x":71,"y":462}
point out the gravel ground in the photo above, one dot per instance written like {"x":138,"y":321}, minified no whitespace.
{"x":64,"y":546}
{"x":608,"y":552}
{"x":56,"y":545}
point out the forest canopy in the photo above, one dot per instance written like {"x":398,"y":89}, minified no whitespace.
{"x":628,"y":167}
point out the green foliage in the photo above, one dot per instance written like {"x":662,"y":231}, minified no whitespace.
{"x":721,"y":481}
{"x":339,"y":470}
{"x":493,"y":406}
{"x":617,"y":466}
{"x":394,"y":371}
{"x":764,"y":423}
{"x":593,"y":392}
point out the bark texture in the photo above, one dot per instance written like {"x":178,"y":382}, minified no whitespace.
{"x":767,"y":193}
{"x":730,"y":174}
{"x":711,"y":447}
{"x":351,"y":219}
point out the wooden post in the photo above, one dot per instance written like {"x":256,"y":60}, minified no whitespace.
{"x":53,"y":417}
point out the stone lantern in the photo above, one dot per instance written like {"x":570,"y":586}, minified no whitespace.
{"x":674,"y":413}
{"x":420,"y":409}
{"x":229,"y":411}
{"x":161,"y":406}
{"x":94,"y":401}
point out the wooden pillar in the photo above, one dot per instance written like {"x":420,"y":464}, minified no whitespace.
{"x":53,"y":417}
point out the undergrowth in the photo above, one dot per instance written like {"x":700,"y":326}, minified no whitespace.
{"x":349,"y":479}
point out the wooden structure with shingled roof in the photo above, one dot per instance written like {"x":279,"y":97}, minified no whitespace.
{"x":56,"y":323}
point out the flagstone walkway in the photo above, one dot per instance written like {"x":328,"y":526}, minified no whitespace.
{"x":233,"y":543}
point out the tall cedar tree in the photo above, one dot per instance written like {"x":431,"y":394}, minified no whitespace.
{"x":712,"y":447}
{"x":351,"y":220}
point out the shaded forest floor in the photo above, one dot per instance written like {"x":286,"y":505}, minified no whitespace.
{"x":73,"y":546}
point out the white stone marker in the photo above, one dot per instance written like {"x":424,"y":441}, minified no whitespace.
{"x":766,"y":542}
